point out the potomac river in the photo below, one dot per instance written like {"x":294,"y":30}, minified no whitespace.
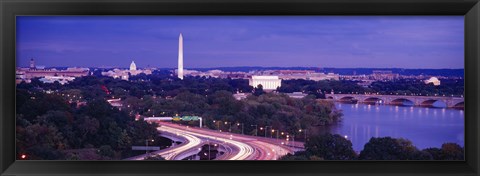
{"x":425,"y":127}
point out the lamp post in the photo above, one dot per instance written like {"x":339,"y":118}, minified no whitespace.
{"x":198,"y":154}
{"x":277,"y":134}
{"x":218,"y":125}
{"x":238,"y":124}
{"x":266,"y":129}
{"x":229,"y":129}
{"x":146,"y":144}
{"x":255,"y":129}
{"x":293,"y":143}
{"x":275,"y":153}
{"x":208,"y":141}
{"x":305,"y":132}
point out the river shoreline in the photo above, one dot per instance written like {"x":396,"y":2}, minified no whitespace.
{"x":426,"y":127}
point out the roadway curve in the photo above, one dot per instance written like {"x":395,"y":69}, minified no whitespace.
{"x":243,"y":147}
{"x":242,"y":150}
{"x":170,"y":153}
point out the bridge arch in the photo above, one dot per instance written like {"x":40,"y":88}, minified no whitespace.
{"x":431,"y":102}
{"x":459,"y":105}
{"x":451,"y":102}
{"x":348,"y":99}
{"x":402,"y":102}
{"x":373,"y":100}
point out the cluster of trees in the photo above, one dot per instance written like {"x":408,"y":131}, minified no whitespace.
{"x":160,"y":83}
{"x":49,"y":124}
{"x":336,"y":147}
{"x":448,"y":87}
{"x":319,"y":88}
{"x":49,"y":127}
{"x":164,"y":84}
{"x":221,"y":110}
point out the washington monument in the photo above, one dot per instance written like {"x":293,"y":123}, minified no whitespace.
{"x":180,"y":57}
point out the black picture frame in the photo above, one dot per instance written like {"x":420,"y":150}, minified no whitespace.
{"x":11,"y":8}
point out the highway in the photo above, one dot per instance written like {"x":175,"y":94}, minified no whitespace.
{"x":235,"y":146}
{"x":242,"y":151}
{"x":242,"y":147}
{"x":169,"y":153}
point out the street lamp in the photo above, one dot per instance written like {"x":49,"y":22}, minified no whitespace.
{"x":238,"y":124}
{"x":266,"y":129}
{"x":208,"y":141}
{"x":255,"y":129}
{"x":146,"y":144}
{"x":304,"y":131}
{"x":277,"y":135}
{"x":229,"y":129}
{"x":218,"y":124}
{"x":293,"y":143}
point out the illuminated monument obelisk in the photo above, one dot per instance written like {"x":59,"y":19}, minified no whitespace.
{"x":180,"y":57}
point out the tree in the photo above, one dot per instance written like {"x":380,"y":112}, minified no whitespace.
{"x":39,"y":103}
{"x":448,"y":151}
{"x":420,"y":155}
{"x":40,"y":141}
{"x":43,"y":152}
{"x":106,"y":151}
{"x":154,"y":158}
{"x":436,"y":153}
{"x":387,"y":148}
{"x":124,"y":141}
{"x":330,"y":147}
{"x":224,"y":103}
{"x":452,"y":151}
{"x":297,"y":156}
{"x":258,"y":90}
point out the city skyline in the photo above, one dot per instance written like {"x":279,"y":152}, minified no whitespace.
{"x":323,"y":41}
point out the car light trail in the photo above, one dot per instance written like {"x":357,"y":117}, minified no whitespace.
{"x":244,"y":152}
{"x":170,"y":154}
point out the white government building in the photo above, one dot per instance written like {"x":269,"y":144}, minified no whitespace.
{"x":124,"y":74}
{"x":433,"y":80}
{"x":268,"y":82}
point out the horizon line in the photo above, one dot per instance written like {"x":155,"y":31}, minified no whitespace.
{"x":255,"y":67}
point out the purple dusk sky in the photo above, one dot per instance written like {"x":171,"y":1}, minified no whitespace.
{"x":227,"y":41}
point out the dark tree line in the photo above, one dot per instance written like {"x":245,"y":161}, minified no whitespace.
{"x":48,"y":127}
{"x":448,"y":87}
{"x":222,"y":111}
{"x":49,"y":123}
{"x":336,"y":147}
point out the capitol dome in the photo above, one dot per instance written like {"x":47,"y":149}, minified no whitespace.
{"x":133,"y":67}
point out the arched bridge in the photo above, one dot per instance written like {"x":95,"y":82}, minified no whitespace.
{"x":427,"y":101}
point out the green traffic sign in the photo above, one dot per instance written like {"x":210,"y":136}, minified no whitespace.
{"x":190,"y":118}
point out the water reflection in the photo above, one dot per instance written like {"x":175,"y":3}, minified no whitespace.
{"x":425,"y":127}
